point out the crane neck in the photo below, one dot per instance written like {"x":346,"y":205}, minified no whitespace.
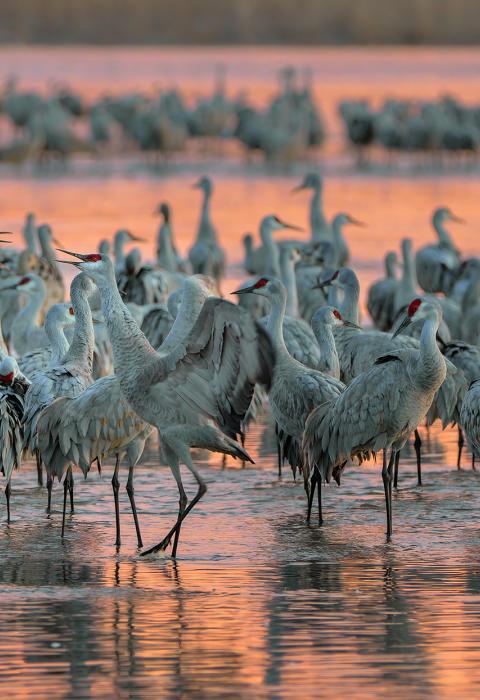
{"x":431,"y":368}
{"x":119,"y":250}
{"x":275,"y":322}
{"x":290,"y":281}
{"x":29,"y":237}
{"x":205,"y":228}
{"x":80,"y":352}
{"x":28,"y":318}
{"x":132,"y":352}
{"x":189,"y":309}
{"x":272,"y":255}
{"x":58,"y":341}
{"x":390,"y":272}
{"x":165,"y":254}
{"x":318,"y":222}
{"x":409,"y":275}
{"x":46,"y":247}
{"x":443,"y":235}
{"x":329,"y":362}
{"x":349,"y":306}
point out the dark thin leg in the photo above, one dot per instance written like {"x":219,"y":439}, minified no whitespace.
{"x":39,"y":469}
{"x":131,"y":496}
{"x":319,"y":499}
{"x":99,"y":466}
{"x":279,"y":458}
{"x":183,"y":512}
{"x":224,"y":461}
{"x":311,"y":493}
{"x":461,"y":443}
{"x":8,"y":491}
{"x":49,"y":493}
{"x":417,"y":444}
{"x":70,"y":488}
{"x":387,"y":486}
{"x":115,"y":487}
{"x":395,"y":474}
{"x":473,"y":460}
{"x":65,"y":492}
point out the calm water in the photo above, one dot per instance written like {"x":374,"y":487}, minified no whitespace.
{"x":258,"y":604}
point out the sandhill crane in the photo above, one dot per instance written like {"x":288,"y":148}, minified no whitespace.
{"x":324,"y":320}
{"x":121,"y":238}
{"x":470,"y":418}
{"x":99,"y":422}
{"x":50,"y":272}
{"x":59,"y":317}
{"x":295,"y":389}
{"x":320,"y":230}
{"x":437,"y":264}
{"x":379,"y":409}
{"x":68,"y":378}
{"x":210,"y":375}
{"x":381,"y":295}
{"x":167,"y":255}
{"x":340,"y":244}
{"x":13,"y":386}
{"x":265,"y":260}
{"x":206,"y":255}
{"x":26,"y":331}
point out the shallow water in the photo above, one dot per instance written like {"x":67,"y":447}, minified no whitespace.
{"x":258,"y":604}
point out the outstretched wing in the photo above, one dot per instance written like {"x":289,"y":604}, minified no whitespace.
{"x":214,"y":371}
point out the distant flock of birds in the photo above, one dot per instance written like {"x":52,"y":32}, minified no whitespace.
{"x":50,"y":126}
{"x":427,"y":127}
{"x":153,"y":346}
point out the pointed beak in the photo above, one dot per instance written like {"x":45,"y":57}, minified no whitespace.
{"x":291,"y":226}
{"x":138,"y":239}
{"x":298,"y":188}
{"x":56,"y":241}
{"x":5,"y":233}
{"x":404,"y":324}
{"x":350,"y":324}
{"x":244,"y":290}
{"x":457,"y":219}
{"x":356,"y":222}
{"x":322,"y":285}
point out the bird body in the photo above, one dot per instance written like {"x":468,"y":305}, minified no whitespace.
{"x":437,"y":264}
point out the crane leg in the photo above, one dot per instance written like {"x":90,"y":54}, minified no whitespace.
{"x":131,"y":496}
{"x":319,"y":499}
{"x":8,"y":491}
{"x":65,"y":492}
{"x":279,"y":459}
{"x":387,"y":486}
{"x":417,"y":444}
{"x":311,"y":493}
{"x":183,"y":511}
{"x":473,"y":460}
{"x":461,"y":443}
{"x":39,"y":469}
{"x":115,"y":487}
{"x":99,"y":466}
{"x":70,"y":489}
{"x":395,"y":474}
{"x":49,"y":493}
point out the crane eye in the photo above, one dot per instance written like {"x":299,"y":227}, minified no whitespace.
{"x":71,"y":311}
{"x":337,"y":314}
{"x":94,"y":257}
{"x":24,"y":280}
{"x":413,"y":307}
{"x":261,"y":283}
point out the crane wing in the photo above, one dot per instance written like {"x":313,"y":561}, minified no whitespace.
{"x":214,"y":371}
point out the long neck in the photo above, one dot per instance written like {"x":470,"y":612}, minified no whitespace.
{"x":329,"y":362}
{"x":131,"y":350}
{"x":430,"y":369}
{"x":318,"y":221}
{"x":29,"y":236}
{"x":272,"y":256}
{"x":205,"y":229}
{"x":409,"y":276}
{"x":118,"y":250}
{"x":46,"y":246}
{"x":80,"y":352}
{"x":442,"y":233}
{"x":290,"y":282}
{"x":188,"y":312}
{"x":165,"y":253}
{"x":390,"y":268}
{"x":275,"y":323}
{"x":27,"y":319}
{"x":57,"y":339}
{"x":349,"y":306}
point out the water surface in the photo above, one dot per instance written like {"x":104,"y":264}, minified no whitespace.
{"x":259,"y":604}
